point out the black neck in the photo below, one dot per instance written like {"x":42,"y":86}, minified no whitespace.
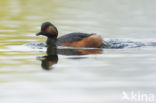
{"x":51,"y":35}
{"x":51,"y":41}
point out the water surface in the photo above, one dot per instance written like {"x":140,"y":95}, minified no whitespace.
{"x":94,"y":78}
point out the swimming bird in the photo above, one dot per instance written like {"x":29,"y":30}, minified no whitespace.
{"x":75,"y":39}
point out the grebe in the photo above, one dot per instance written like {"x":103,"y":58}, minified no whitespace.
{"x":75,"y":39}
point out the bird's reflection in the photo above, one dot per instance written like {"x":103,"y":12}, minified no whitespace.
{"x":51,"y":58}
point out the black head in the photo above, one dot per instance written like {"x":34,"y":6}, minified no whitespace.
{"x":48,"y":29}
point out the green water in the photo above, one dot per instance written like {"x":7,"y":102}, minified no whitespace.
{"x":94,"y":78}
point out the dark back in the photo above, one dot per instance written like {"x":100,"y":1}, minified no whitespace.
{"x":68,"y":38}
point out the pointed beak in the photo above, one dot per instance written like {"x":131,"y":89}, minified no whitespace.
{"x":40,"y":33}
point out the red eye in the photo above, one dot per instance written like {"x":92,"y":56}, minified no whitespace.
{"x":45,"y":30}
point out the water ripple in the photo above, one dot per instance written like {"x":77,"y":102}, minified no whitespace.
{"x":108,"y":44}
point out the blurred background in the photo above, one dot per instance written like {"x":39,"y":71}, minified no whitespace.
{"x":91,"y":79}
